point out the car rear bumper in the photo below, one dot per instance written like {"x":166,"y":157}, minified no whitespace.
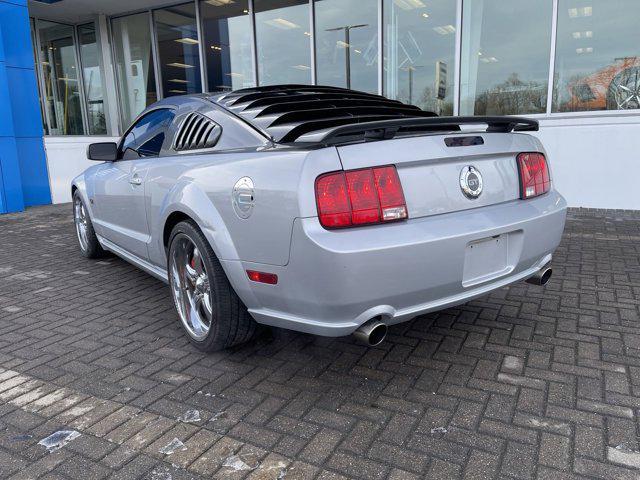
{"x":337,"y":280}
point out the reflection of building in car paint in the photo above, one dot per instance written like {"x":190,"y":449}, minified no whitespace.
{"x":615,"y":87}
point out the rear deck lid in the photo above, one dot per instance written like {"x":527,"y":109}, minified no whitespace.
{"x":434,"y":169}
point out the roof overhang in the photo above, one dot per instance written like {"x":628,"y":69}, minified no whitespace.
{"x":79,"y":11}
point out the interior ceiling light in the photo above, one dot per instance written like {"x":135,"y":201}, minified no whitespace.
{"x":177,"y":91}
{"x":189,"y":41}
{"x":587,"y":34}
{"x":234,"y":74}
{"x":282,"y":24}
{"x":582,"y":50}
{"x":409,"y":4}
{"x":178,"y":80}
{"x":342,"y":44}
{"x":425,"y":15}
{"x":445,"y":29}
{"x":301,"y":67}
{"x":580,"y":12}
{"x":179,"y":65}
{"x":489,"y":59}
{"x":219,"y":3}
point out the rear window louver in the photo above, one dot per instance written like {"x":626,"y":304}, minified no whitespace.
{"x":306,"y":114}
{"x":285,"y":113}
{"x":196,"y":132}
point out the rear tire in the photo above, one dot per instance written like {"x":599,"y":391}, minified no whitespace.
{"x":89,"y":245}
{"x":211,"y":313}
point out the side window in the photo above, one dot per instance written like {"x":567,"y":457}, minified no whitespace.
{"x":147,"y":135}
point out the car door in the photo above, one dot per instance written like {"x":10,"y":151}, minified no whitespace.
{"x":119,"y":198}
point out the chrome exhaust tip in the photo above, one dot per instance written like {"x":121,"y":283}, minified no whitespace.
{"x":371,"y":333}
{"x":541,"y":277}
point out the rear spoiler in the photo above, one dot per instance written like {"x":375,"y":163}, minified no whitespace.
{"x":387,"y":129}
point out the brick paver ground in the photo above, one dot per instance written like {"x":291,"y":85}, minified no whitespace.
{"x":526,"y":382}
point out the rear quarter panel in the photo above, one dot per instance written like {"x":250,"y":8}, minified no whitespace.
{"x":202,"y":185}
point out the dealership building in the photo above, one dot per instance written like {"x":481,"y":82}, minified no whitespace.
{"x":73,"y":72}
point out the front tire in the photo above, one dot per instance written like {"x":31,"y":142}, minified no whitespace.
{"x":211,"y":313}
{"x":89,"y":245}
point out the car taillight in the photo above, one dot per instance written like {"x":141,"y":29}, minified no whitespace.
{"x":360,"y":197}
{"x":534,"y":175}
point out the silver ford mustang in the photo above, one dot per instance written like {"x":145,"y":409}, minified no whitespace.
{"x":318,"y":209}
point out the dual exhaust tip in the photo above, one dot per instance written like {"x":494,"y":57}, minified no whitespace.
{"x":541,"y":277}
{"x":374,"y":332}
{"x":371,"y":333}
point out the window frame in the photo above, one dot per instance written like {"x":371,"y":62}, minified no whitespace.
{"x":35,"y":22}
{"x":312,"y":29}
{"x":77,"y":28}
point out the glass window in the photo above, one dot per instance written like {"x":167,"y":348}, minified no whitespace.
{"x":282,"y":37}
{"x":60,"y":72}
{"x":347,"y":43}
{"x":597,"y":63}
{"x":178,"y":53}
{"x":146,"y":137}
{"x":505,"y":57}
{"x":226,"y":27}
{"x":419,"y":53}
{"x":92,"y":76}
{"x":134,"y":65}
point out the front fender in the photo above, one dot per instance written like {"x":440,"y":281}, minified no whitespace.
{"x":79,"y":183}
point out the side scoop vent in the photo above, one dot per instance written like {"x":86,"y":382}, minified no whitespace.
{"x":196,"y":132}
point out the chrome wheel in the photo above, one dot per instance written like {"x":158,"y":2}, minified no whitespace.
{"x":82,"y":223}
{"x":190,"y":287}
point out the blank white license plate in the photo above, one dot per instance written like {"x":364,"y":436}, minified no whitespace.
{"x":486,"y":259}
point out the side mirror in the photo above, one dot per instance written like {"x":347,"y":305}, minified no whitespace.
{"x":103,"y":151}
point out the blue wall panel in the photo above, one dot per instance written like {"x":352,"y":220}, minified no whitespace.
{"x":24,"y":180}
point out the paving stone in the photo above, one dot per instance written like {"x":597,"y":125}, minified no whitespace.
{"x":524,"y":382}
{"x":554,"y":451}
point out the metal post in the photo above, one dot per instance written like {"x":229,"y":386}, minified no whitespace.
{"x":203,"y":60}
{"x":458,"y":54}
{"x":120,"y":96}
{"x":380,"y":47}
{"x":154,"y":55}
{"x":80,"y":74}
{"x":254,"y":47}
{"x":552,"y":58}
{"x":347,"y":56}
{"x":312,"y":42}
{"x":108,"y":67}
{"x":347,"y":41}
{"x":43,"y":91}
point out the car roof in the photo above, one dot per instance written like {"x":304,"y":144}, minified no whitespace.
{"x":307,"y":115}
{"x":285,"y":113}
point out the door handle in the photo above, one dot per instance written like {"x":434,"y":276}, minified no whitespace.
{"x":135,"y":180}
